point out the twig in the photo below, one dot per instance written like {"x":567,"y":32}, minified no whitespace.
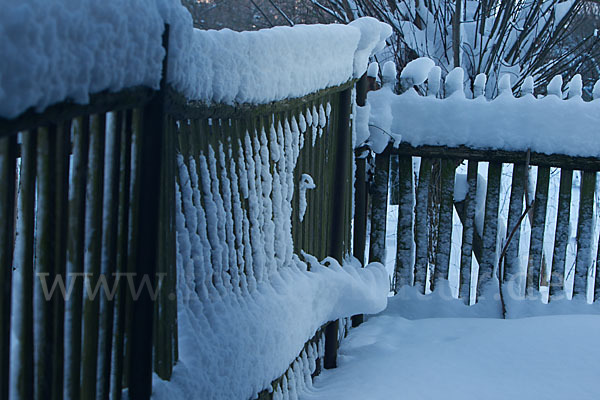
{"x":503,"y":254}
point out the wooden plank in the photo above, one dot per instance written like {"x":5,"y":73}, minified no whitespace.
{"x":61,"y":180}
{"x":8,"y":156}
{"x":181,"y":108}
{"x":561,"y":236}
{"x":140,"y":378}
{"x":44,"y":261}
{"x":403,"y":272}
{"x":511,"y":270}
{"x":442,"y":260}
{"x":585,"y":225}
{"x":121,"y":257}
{"x":360,"y":210}
{"x":110,"y":233}
{"x":536,"y":244}
{"x":75,"y":254}
{"x":394,"y":181}
{"x":24,"y":255}
{"x":490,"y":227}
{"x":422,"y":225}
{"x":379,"y":193}
{"x":93,"y":256}
{"x":132,"y":251}
{"x":504,"y":156}
{"x":467,"y":237}
{"x":99,"y":103}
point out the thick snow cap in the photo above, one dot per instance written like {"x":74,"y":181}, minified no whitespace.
{"x":76,"y":48}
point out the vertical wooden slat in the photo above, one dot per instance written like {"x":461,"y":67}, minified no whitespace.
{"x":44,"y":263}
{"x":561,"y":237}
{"x":8,"y":156}
{"x":75,"y":255}
{"x":585,"y":224}
{"x":467,"y":237}
{"x":536,"y":244}
{"x":134,"y":240}
{"x":394,"y":180}
{"x":93,"y":256}
{"x":442,"y":259}
{"x":360,"y":210}
{"x":110,"y":233}
{"x":511,"y":265}
{"x":61,"y":180}
{"x":121,"y":261}
{"x":24,"y":254}
{"x":379,"y":192}
{"x":405,"y":234}
{"x":490,"y":226}
{"x":422,"y":225}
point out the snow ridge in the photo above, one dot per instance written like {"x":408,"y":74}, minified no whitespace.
{"x":505,"y":122}
{"x":76,"y":48}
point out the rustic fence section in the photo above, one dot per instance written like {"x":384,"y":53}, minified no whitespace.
{"x":89,"y":198}
{"x":539,"y":272}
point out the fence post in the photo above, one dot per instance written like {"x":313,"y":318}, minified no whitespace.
{"x":379,"y":192}
{"x":140,"y":380}
{"x":360,"y":196}
{"x":337,"y":233}
{"x":8,"y":168}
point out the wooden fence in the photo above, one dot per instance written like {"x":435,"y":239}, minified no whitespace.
{"x":89,"y":191}
{"x":425,"y":198}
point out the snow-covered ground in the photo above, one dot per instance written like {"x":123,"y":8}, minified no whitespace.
{"x":392,"y":357}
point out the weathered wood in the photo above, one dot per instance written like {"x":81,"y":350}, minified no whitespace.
{"x":75,"y":255}
{"x":24,"y":256}
{"x":93,"y":256}
{"x":343,"y":149}
{"x":497,"y":155}
{"x":61,"y":180}
{"x":585,"y":225}
{"x":379,"y":193}
{"x":360,"y":210}
{"x":561,"y":236}
{"x":8,"y":146}
{"x":121,"y":257}
{"x":180,"y":108}
{"x":490,"y":227}
{"x":422,"y":225}
{"x":515,"y":209}
{"x":110,"y":233}
{"x":45,"y":262}
{"x":467,"y":237}
{"x":404,"y":269}
{"x":134,"y":237}
{"x":99,"y":103}
{"x":331,"y":344}
{"x":151,"y":164}
{"x":442,"y":260}
{"x":360,"y":220}
{"x":536,"y":244}
{"x":394,"y":181}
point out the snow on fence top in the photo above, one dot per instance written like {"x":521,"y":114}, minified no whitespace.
{"x":57,"y":50}
{"x":559,"y":123}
